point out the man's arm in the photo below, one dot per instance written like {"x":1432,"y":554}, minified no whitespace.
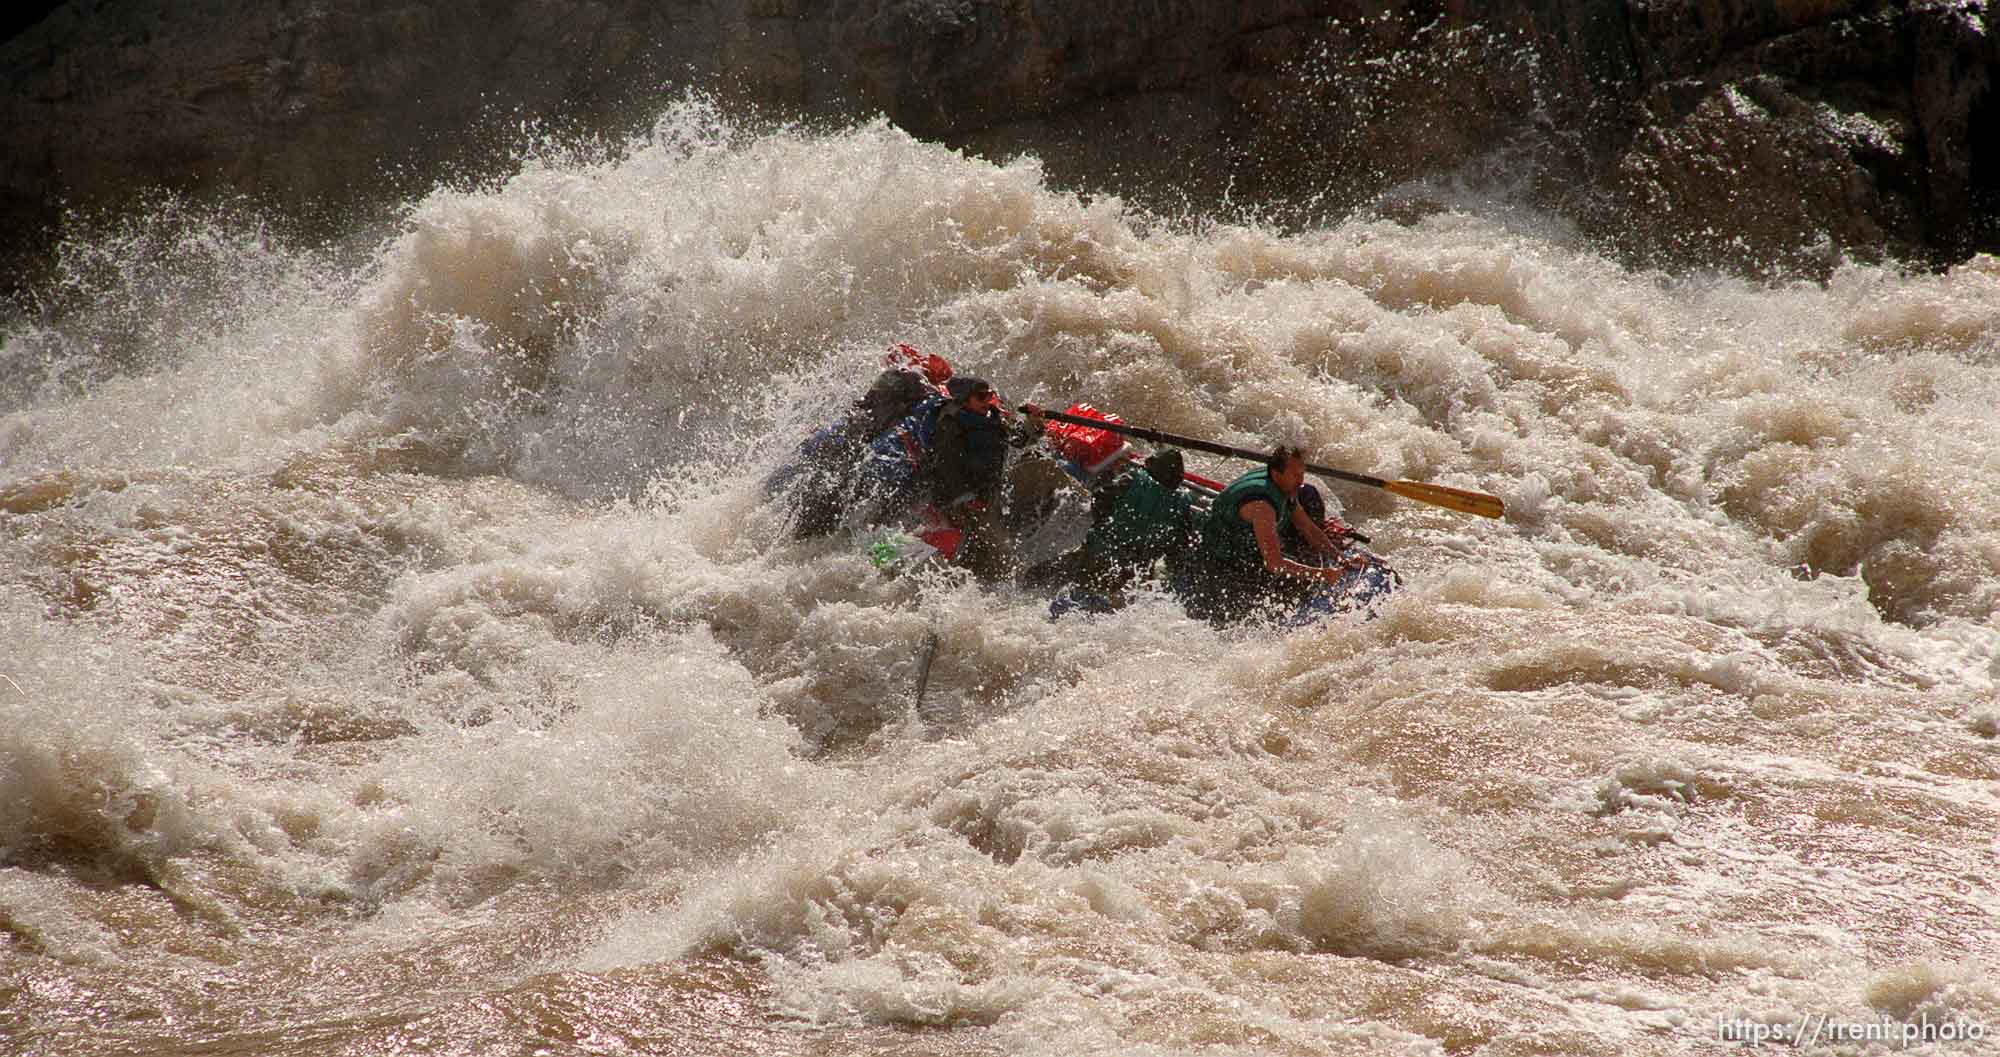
{"x":1313,"y":533}
{"x":1029,"y":429}
{"x":1264,"y":522}
{"x":1104,"y":494}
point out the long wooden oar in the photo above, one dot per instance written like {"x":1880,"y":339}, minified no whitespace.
{"x":1435,"y":494}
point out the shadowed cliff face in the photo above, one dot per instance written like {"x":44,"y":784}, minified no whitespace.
{"x":1766,"y":136}
{"x":1813,"y":128}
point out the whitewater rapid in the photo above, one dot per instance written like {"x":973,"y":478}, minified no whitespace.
{"x":400,"y":656}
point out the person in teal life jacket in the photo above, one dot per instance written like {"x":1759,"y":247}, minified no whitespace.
{"x":1238,"y":567}
{"x":1136,"y":518}
{"x":966,"y":473}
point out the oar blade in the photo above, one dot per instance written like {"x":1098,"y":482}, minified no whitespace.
{"x":1458,"y":499}
{"x":924,"y":659}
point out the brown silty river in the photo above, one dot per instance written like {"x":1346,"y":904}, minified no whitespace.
{"x":402,"y":658}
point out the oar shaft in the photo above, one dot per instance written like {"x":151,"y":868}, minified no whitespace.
{"x":1437,"y":495}
{"x":1210,"y":447}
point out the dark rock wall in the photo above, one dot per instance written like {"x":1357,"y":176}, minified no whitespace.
{"x":1785,"y":133}
{"x":1769,"y":136}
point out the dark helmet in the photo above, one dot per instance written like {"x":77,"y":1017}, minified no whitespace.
{"x":962,"y":387}
{"x":1167,"y":466}
{"x":1309,"y":498}
{"x":891,"y":396}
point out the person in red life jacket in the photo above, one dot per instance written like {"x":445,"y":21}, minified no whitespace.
{"x":965,"y":475}
{"x":1238,"y":567}
{"x":1137,"y":517}
{"x":822,"y":478}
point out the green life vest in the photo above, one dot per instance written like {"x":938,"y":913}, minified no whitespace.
{"x":1146,"y":521}
{"x":1228,"y":543}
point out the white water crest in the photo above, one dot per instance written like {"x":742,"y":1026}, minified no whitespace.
{"x":405,"y":633}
